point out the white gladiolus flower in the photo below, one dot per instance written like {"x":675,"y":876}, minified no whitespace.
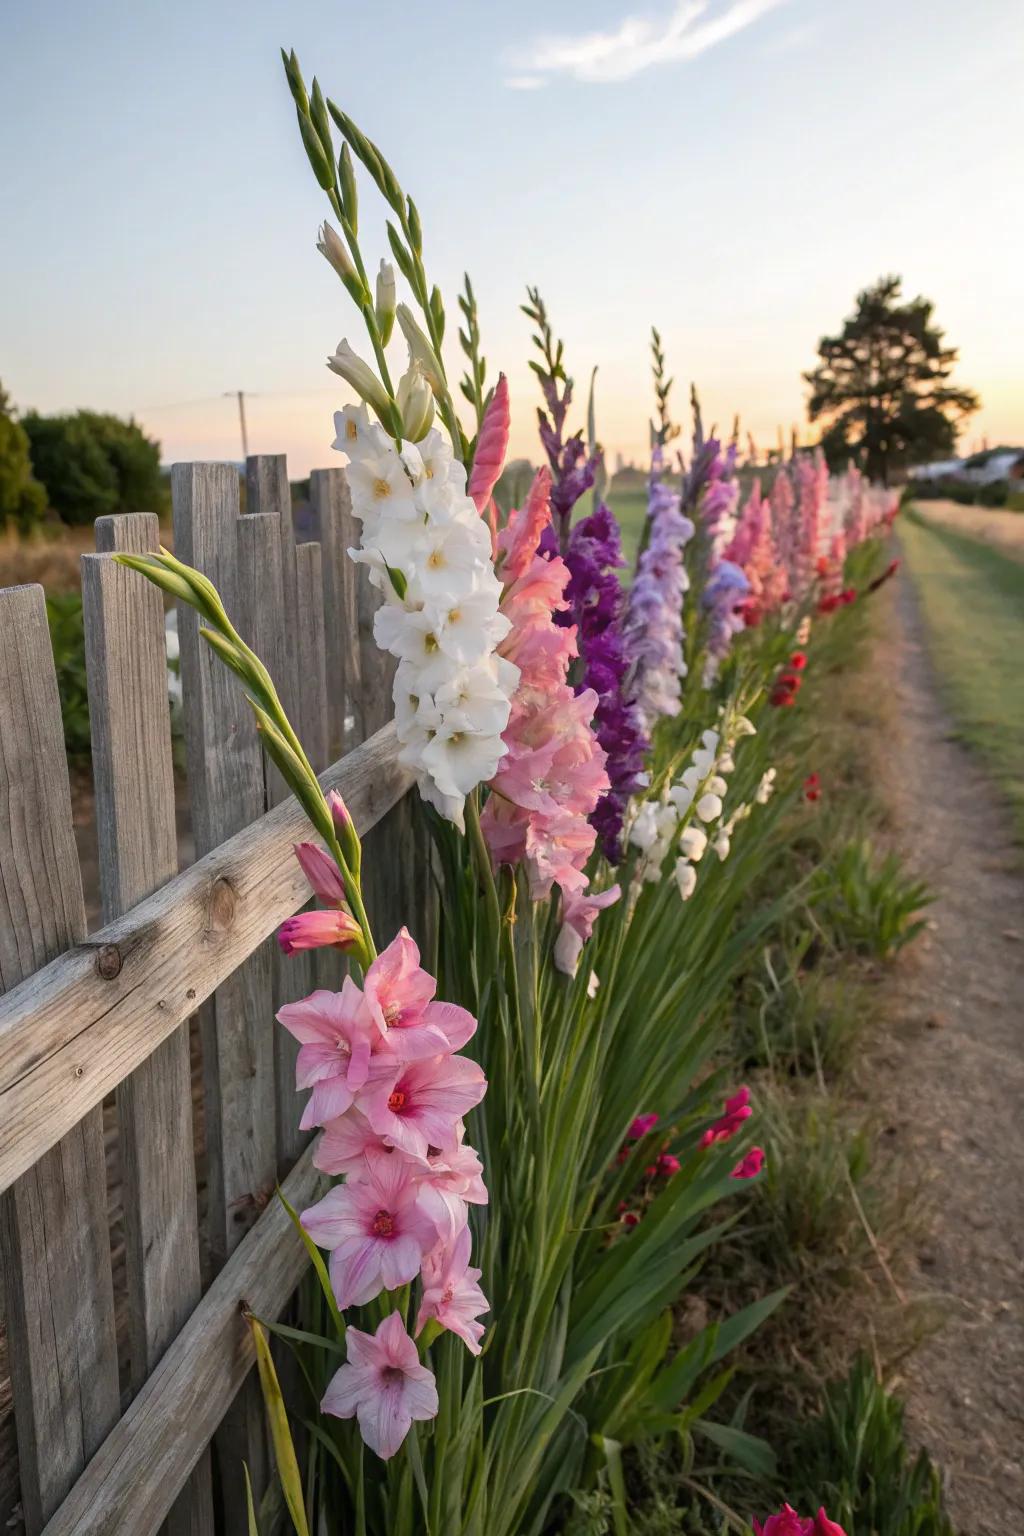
{"x":593,"y":983}
{"x":457,"y":760}
{"x":644,"y":832}
{"x":381,"y":487}
{"x":766,"y":788}
{"x":722,"y":843}
{"x":681,"y":796}
{"x":472,"y":626}
{"x":331,"y":245}
{"x":447,"y":559}
{"x":709,"y":807}
{"x":416,"y":403}
{"x":686,"y":878}
{"x":692,"y":843}
{"x":430,"y":556}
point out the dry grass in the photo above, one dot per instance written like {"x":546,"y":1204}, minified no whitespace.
{"x":50,"y":558}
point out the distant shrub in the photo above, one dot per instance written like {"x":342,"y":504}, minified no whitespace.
{"x":1015,"y":501}
{"x":993,"y":494}
{"x":93,"y":464}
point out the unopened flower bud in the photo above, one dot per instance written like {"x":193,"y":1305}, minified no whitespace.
{"x":420,"y":349}
{"x":334,"y":929}
{"x":322,"y":873}
{"x":416,"y":403}
{"x":330,"y":244}
{"x":386,"y":300}
{"x":345,"y":827}
{"x":364,"y":381}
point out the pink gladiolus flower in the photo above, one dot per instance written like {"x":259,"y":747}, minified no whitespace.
{"x":579,"y":914}
{"x":346,"y":1144}
{"x":383,"y":1385}
{"x":451,"y":1295}
{"x":399,"y":997}
{"x":339,"y":812}
{"x":491,"y":446}
{"x":750,"y":1166}
{"x":376,"y":1228}
{"x":333,"y":1031}
{"x":518,"y":541}
{"x":668,"y":1164}
{"x":737,"y":1109}
{"x":418,"y":1105}
{"x":322,"y":873}
{"x":319,"y":930}
{"x":640,"y":1127}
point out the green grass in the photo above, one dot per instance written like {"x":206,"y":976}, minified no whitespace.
{"x":630,"y":508}
{"x":972,"y":599}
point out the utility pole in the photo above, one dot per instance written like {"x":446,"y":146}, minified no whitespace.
{"x":239,"y":394}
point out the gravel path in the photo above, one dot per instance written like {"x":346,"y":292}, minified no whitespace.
{"x":951,"y":1080}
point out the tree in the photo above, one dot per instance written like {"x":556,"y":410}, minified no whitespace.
{"x":881,"y":388}
{"x":22,"y":498}
{"x":93,"y":464}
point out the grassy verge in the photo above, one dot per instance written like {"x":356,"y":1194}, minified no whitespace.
{"x":972,"y":602}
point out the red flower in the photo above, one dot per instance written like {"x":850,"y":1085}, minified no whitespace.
{"x":812,"y":787}
{"x":798,"y":661}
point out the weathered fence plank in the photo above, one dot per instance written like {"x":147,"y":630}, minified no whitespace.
{"x":132,"y":1480}
{"x":226,"y":786}
{"x":53,"y":1220}
{"x":73,"y":1031}
{"x":338,"y":531}
{"x":135,"y":822}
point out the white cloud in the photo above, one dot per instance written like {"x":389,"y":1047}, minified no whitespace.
{"x":638,"y":42}
{"x":525,"y":82}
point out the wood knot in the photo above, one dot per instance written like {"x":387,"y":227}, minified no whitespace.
{"x":223,"y":902}
{"x":109,"y":962}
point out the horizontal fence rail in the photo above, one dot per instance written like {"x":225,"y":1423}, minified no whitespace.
{"x":130,"y":1484}
{"x":75,"y":1029}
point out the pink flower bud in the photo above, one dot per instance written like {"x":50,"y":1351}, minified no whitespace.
{"x":750,"y":1166}
{"x":641,"y":1125}
{"x":322,"y":873}
{"x":319,"y":930}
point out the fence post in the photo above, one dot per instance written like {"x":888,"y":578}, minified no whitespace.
{"x":135,"y":820}
{"x":226,"y":785}
{"x":53,"y":1221}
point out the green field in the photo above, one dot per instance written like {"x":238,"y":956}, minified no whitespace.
{"x":972,"y":601}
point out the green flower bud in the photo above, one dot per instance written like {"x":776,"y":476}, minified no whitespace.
{"x":416,"y":403}
{"x":420,"y":350}
{"x":364,"y":381}
{"x":386,"y":298}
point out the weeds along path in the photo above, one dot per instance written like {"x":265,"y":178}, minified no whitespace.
{"x":951,"y":1080}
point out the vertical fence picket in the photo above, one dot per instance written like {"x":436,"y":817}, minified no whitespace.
{"x":261,"y":622}
{"x":332,"y":503}
{"x":227,"y":790}
{"x":127,"y":673}
{"x":55,"y":1238}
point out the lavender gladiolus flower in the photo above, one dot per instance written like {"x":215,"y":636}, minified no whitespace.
{"x":654,"y":623}
{"x":722,"y":599}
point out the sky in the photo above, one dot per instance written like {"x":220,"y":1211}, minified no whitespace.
{"x":732,"y":171}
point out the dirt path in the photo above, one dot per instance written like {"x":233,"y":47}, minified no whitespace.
{"x":951,"y":1077}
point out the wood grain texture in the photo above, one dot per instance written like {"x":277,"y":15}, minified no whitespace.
{"x":53,"y":1220}
{"x":127,"y":675}
{"x":262,"y":622}
{"x":227,"y":791}
{"x":337,"y":532}
{"x":72,"y":1032}
{"x":131,"y":1482}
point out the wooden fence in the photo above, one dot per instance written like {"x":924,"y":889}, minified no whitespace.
{"x":129,"y":1361}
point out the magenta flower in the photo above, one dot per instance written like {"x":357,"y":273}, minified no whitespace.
{"x":322,"y":873}
{"x":333,"y":1031}
{"x":640,"y":1127}
{"x":737,"y":1109}
{"x":377,"y":1229}
{"x":399,"y":998}
{"x":823,"y":1526}
{"x":451,"y":1295}
{"x":383,"y":1385}
{"x":750,"y":1166}
{"x":418,"y":1105}
{"x":786,"y":1523}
